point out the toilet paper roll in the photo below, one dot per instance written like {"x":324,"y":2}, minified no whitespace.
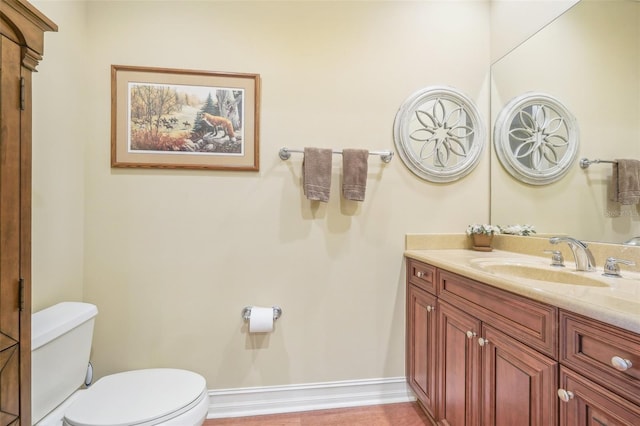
{"x":261,"y":320}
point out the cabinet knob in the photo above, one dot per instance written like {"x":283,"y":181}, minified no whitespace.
{"x":621,"y":364}
{"x":483,"y":342}
{"x":419,"y":274}
{"x":429,"y":308}
{"x":565,"y":395}
{"x":471,"y":334}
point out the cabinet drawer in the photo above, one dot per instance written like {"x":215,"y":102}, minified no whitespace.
{"x":421,"y":275}
{"x":590,"y":346}
{"x":532,"y":323}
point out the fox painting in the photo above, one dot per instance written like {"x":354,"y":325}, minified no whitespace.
{"x":220,"y":122}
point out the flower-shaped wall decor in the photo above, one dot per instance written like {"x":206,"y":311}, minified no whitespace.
{"x":536,"y":138}
{"x":439,"y":134}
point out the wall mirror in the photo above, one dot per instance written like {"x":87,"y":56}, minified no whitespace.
{"x":438,"y":134}
{"x":588,"y":58}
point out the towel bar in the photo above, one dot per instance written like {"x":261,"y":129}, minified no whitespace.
{"x":585,"y":163}
{"x":285,"y":153}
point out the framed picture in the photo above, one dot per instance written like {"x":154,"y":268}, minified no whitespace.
{"x":170,"y":118}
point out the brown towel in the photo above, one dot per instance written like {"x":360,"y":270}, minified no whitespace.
{"x":316,"y":173}
{"x":354,"y":173}
{"x":626,"y":181}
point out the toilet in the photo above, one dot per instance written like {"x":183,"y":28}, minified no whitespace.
{"x":60,"y":347}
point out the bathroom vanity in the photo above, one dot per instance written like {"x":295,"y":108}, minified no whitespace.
{"x":491,"y":348}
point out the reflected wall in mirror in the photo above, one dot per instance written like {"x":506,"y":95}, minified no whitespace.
{"x":589,"y":59}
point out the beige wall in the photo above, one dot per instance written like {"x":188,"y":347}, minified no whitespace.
{"x":514,"y":21}
{"x":61,"y":130}
{"x":172,"y":257}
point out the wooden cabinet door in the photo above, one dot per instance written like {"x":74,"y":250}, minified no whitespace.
{"x":459,"y":372}
{"x":421,"y":346}
{"x":10,"y":231}
{"x":589,"y":404}
{"x":519,"y":384}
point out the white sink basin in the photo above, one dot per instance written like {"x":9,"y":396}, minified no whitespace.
{"x":539,"y":272}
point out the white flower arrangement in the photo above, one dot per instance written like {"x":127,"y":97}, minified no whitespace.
{"x":524,"y":230}
{"x":482,"y":229}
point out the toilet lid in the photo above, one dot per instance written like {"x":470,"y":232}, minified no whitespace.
{"x":137,"y":397}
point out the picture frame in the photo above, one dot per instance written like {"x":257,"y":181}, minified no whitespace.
{"x":184,"y":119}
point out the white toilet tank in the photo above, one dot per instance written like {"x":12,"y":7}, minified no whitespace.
{"x":60,"y":348}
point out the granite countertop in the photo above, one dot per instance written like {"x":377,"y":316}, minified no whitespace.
{"x":616,"y":301}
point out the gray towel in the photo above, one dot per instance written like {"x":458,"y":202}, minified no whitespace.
{"x":626,"y":181}
{"x":316,"y":173}
{"x":355,"y":163}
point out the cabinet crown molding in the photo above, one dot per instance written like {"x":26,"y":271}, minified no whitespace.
{"x":24,"y":24}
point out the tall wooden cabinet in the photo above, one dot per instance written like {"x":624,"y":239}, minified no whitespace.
{"x":22,"y":30}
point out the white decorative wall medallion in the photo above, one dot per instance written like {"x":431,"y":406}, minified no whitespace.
{"x":536,"y":138}
{"x":439,"y":134}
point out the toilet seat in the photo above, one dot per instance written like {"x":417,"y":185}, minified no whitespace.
{"x":139,"y":397}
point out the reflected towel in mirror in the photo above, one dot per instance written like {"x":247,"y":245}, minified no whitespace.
{"x":626,"y":181}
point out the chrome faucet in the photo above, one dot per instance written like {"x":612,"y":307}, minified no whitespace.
{"x":635,"y":241}
{"x":581,"y":253}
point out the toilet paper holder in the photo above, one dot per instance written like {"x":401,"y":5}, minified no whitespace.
{"x":246,"y":312}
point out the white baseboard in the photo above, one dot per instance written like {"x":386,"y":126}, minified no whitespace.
{"x":312,"y":396}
